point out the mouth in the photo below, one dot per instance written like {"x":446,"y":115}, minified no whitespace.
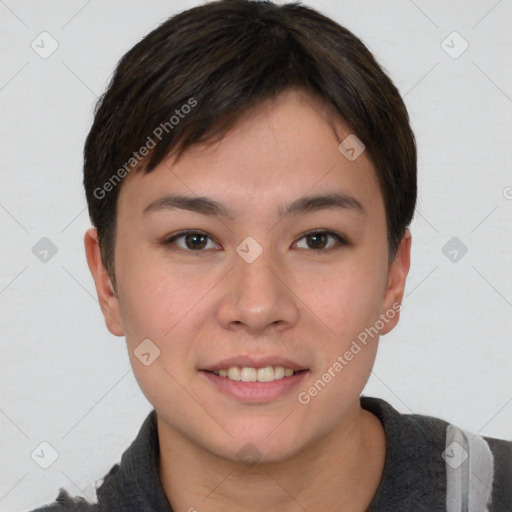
{"x":249,"y":381}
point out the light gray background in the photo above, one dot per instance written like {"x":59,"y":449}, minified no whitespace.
{"x":66,"y":380}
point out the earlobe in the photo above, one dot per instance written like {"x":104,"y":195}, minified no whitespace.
{"x":397,"y":275}
{"x":107,"y":297}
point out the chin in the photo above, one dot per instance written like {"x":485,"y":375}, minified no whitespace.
{"x":258,"y":444}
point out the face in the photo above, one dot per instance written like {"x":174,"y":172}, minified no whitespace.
{"x":258,"y":274}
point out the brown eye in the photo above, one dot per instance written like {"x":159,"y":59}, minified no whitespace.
{"x":190,"y":241}
{"x":319,"y":240}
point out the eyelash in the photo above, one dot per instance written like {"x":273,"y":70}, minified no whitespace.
{"x":341,"y":240}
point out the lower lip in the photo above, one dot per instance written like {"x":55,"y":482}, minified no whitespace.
{"x":255,"y":391}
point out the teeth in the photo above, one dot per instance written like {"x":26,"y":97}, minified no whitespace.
{"x":234,"y":373}
{"x":278,"y":372}
{"x":246,"y":374}
{"x":265,"y":374}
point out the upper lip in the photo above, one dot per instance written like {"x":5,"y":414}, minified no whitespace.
{"x":254,"y":362}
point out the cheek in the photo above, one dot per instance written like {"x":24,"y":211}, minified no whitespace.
{"x":347,"y":349}
{"x":159,"y":310}
{"x":349,"y":307}
{"x":345,"y":301}
{"x":165,"y":305}
{"x":154,"y":296}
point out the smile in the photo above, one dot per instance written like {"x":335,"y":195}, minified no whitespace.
{"x":248,"y":374}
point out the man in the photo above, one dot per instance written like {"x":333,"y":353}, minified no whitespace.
{"x":251,"y":176}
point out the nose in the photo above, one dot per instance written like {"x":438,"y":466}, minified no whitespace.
{"x":258,"y":294}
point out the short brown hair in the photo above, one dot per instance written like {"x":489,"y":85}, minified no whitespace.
{"x":221,"y":59}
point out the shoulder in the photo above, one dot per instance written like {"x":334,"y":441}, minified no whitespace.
{"x":132,"y":484}
{"x":478,"y":469}
{"x":441,"y":463}
{"x":66,"y":503}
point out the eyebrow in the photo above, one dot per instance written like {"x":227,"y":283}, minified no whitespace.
{"x":211,"y":207}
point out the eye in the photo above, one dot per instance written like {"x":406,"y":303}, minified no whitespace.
{"x":192,"y":241}
{"x":319,"y":240}
{"x":196,"y":241}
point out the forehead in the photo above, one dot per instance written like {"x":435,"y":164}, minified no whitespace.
{"x":284,"y":148}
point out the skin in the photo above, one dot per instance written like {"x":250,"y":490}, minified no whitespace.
{"x":297,"y":301}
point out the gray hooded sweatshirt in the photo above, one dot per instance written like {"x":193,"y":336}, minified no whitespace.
{"x":430,"y":466}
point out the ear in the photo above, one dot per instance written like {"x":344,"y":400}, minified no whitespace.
{"x":397,"y":275}
{"x":108,"y":300}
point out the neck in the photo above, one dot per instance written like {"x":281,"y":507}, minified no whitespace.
{"x":341,"y":471}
